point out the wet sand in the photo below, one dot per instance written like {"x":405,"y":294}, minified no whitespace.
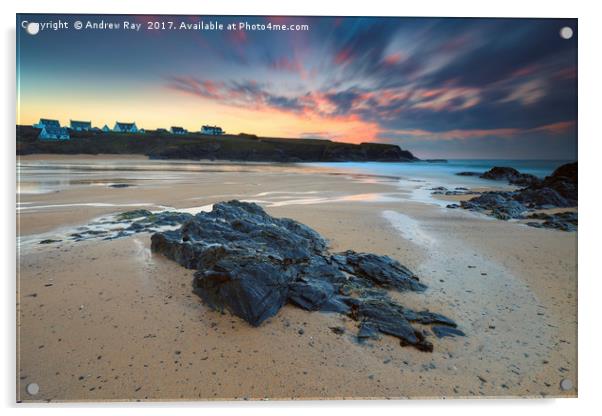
{"x":109,"y":320}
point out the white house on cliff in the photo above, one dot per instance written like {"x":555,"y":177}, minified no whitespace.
{"x":121,"y":127}
{"x":51,"y":130}
{"x":178,"y":130}
{"x":80,"y":125}
{"x":212,"y":130}
{"x":47,"y":122}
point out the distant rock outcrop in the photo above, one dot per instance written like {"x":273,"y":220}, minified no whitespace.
{"x":558,"y":190}
{"x":511,"y":175}
{"x":502,"y":173}
{"x":252,"y":264}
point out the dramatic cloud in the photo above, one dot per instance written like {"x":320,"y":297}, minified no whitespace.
{"x":424,"y":83}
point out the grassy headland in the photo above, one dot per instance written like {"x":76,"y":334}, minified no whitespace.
{"x":196,"y":146}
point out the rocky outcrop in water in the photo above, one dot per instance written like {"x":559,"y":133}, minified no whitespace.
{"x":502,"y":173}
{"x":558,"y":190}
{"x":511,"y":175}
{"x":563,"y":183}
{"x":253,"y":264}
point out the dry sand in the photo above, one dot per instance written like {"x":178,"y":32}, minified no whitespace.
{"x":109,"y":320}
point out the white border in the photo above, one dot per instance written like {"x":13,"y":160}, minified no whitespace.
{"x":590,"y":70}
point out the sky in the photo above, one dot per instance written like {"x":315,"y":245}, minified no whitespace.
{"x":441,"y":88}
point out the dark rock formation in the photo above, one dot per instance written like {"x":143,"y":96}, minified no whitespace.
{"x":442,"y":190}
{"x":498,"y":204}
{"x":252,"y":264}
{"x":49,"y":241}
{"x":502,"y":173}
{"x":380,"y":270}
{"x":565,"y":221}
{"x":446,"y":331}
{"x":542,"y":198}
{"x":563,"y":181}
{"x":558,"y":190}
{"x":511,"y":175}
{"x":136,"y":213}
{"x":567,"y":172}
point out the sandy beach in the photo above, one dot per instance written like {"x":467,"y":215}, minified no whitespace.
{"x":110,"y":320}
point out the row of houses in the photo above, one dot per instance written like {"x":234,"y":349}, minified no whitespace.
{"x":52,"y":129}
{"x":209,"y":130}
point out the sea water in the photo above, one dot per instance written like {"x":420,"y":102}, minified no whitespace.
{"x":444,"y":172}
